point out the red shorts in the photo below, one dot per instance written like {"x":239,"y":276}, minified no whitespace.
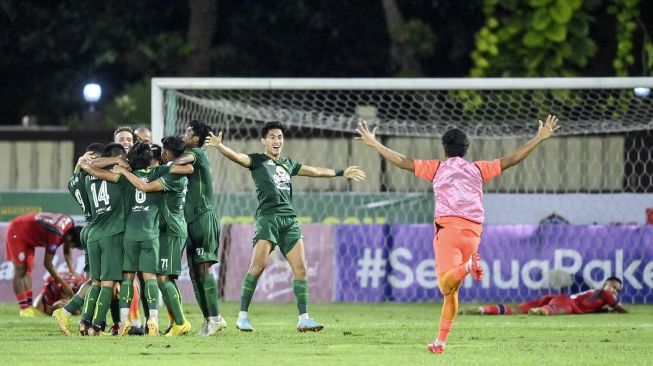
{"x":17,"y":250}
{"x":456,"y":239}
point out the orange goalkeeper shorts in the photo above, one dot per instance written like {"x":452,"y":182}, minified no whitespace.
{"x":456,"y":239}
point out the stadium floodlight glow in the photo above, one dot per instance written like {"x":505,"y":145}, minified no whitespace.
{"x":92,"y":93}
{"x":642,"y":92}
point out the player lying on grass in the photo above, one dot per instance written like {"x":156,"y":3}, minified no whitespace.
{"x":28,"y":232}
{"x":276,"y":220}
{"x":586,"y":302}
{"x":458,"y":188}
{"x":52,"y":298}
{"x":173,"y":233}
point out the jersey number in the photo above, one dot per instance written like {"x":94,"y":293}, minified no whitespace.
{"x":78,"y":196}
{"x":140,"y":196}
{"x":102,"y":195}
{"x":164,"y":263}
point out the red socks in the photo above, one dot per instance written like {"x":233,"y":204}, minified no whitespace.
{"x":498,"y":309}
{"x":24,"y":299}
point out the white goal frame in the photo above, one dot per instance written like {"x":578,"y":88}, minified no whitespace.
{"x":159,"y":85}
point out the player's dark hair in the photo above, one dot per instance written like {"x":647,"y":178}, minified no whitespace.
{"x":615,"y":279}
{"x":455,"y":143}
{"x":156,"y":153}
{"x":76,"y":234}
{"x":112,"y":150}
{"x":272,"y":125}
{"x":200,"y":129}
{"x":140,"y":156}
{"x":174,"y":144}
{"x":96,"y":148}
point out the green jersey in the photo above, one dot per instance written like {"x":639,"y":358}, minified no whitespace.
{"x":199,"y":197}
{"x":273,"y":185}
{"x":172,"y":207}
{"x":77,"y":187}
{"x":108,"y":202}
{"x":143,"y":213}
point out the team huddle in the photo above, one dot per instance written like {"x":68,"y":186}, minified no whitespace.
{"x":145,"y":205}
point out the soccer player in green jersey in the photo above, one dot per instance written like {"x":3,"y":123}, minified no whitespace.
{"x":173,"y":235}
{"x":77,"y":188}
{"x":108,"y":201}
{"x":203,"y":227}
{"x":276,"y":220}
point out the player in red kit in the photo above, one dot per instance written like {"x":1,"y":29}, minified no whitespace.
{"x":52,"y":296}
{"x":587,"y":302}
{"x":24,"y":235}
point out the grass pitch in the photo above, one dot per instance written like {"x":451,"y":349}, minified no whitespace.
{"x":354,"y":334}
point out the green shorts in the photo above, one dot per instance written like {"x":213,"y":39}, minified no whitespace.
{"x":283,"y":231}
{"x":105,"y":258}
{"x":141,"y":256}
{"x":203,"y":239}
{"x":83,"y":238}
{"x":170,"y":252}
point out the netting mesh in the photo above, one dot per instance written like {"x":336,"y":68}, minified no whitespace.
{"x":595,"y":174}
{"x":481,"y":113}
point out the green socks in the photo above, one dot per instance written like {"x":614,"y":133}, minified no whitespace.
{"x":102,"y":306}
{"x":210,"y":288}
{"x":89,"y":302}
{"x":172,"y":300}
{"x":74,"y":304}
{"x":247,"y":291}
{"x":152,"y":295}
{"x":126,"y":293}
{"x":300,"y":288}
{"x":201,"y":299}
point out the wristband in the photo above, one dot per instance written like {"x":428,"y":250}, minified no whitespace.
{"x":340,"y":173}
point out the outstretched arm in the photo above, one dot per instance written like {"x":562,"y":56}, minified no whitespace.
{"x":369,"y":138}
{"x":100,"y":173}
{"x":238,"y":158}
{"x":620,"y":308}
{"x":106,"y":161}
{"x":352,"y":172}
{"x":184,"y":159}
{"x":546,"y":130}
{"x":154,"y":186}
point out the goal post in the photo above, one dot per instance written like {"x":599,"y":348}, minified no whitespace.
{"x":596,"y":173}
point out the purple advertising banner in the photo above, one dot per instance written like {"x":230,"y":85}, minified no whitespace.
{"x":395,"y":262}
{"x":275,"y":284}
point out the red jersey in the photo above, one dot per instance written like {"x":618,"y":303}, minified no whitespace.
{"x":52,"y":290}
{"x":42,"y":229}
{"x":591,"y":301}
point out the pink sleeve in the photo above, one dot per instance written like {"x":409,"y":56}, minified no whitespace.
{"x":489,"y":169}
{"x":426,"y":169}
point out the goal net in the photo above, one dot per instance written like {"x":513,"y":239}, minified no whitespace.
{"x":576,"y":207}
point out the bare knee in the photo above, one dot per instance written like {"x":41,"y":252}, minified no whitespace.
{"x":299,"y":272}
{"x":257,"y":267}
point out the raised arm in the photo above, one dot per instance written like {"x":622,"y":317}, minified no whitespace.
{"x":369,"y":138}
{"x":238,"y":158}
{"x":154,"y":186}
{"x":352,"y":172}
{"x":546,"y":130}
{"x":100,"y":173}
